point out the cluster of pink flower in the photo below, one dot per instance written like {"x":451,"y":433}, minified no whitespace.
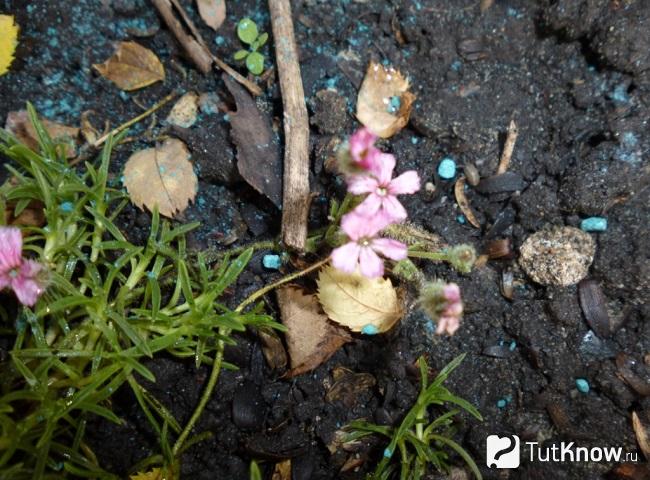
{"x":373,"y":176}
{"x":449,"y":320}
{"x":20,"y":274}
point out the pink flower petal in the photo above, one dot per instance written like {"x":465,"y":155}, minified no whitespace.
{"x":389,"y":248}
{"x":360,"y":142}
{"x":370,"y":206}
{"x":360,"y":184}
{"x":451,"y":291}
{"x":407,"y":182}
{"x":5,"y":280}
{"x":11,"y":248}
{"x":371,"y":265}
{"x":393,"y":209}
{"x":27,"y":290}
{"x":384,"y":168}
{"x":346,"y":257}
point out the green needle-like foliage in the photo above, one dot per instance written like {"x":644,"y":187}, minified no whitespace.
{"x":421,"y":442}
{"x":109,"y":304}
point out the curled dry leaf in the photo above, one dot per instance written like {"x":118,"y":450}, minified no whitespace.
{"x":348,"y":385}
{"x":213,"y":12}
{"x":131,"y":67}
{"x":463,"y":203}
{"x":311,"y":339}
{"x":21,"y":127}
{"x":355,"y":301}
{"x":184,"y":111}
{"x":642,"y":435}
{"x":384,"y":102}
{"x":162,"y":177}
{"x":282,"y":470}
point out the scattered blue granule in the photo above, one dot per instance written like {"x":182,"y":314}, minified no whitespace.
{"x":501,"y":403}
{"x":369,"y":330}
{"x":219,"y":40}
{"x":619,"y":94}
{"x":594,"y":224}
{"x":447,"y":168}
{"x":461,"y":219}
{"x":415,"y":140}
{"x":388,"y":453}
{"x":513,"y":12}
{"x":31,"y":8}
{"x":151,"y":275}
{"x":512,"y":346}
{"x":582,"y":385}
{"x":66,"y":207}
{"x":272,"y":262}
{"x":53,"y":79}
{"x":331,"y":83}
{"x":394,"y":104}
{"x":456,"y":65}
{"x":226,"y":117}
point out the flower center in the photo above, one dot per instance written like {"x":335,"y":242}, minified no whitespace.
{"x":13,"y":273}
{"x":365,"y":242}
{"x":382,"y":191}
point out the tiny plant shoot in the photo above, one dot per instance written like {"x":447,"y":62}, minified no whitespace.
{"x":248,"y":33}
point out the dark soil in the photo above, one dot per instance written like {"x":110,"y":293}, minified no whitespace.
{"x":575,"y":74}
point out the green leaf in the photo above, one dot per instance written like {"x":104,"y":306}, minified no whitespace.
{"x":240,"y":55}
{"x":247,"y":30}
{"x":262,"y":39}
{"x":461,"y":451}
{"x":255,"y":63}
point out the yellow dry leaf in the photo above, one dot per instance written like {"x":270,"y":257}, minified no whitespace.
{"x":369,"y":305}
{"x":8,"y":42}
{"x":213,"y":12}
{"x":155,"y":474}
{"x":131,"y":67}
{"x":384,"y":102}
{"x":184,"y":112}
{"x":161,"y":176}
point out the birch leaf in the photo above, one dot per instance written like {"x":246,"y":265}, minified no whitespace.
{"x":384,"y":102}
{"x":213,"y":12}
{"x":132,"y":67}
{"x":8,"y":42}
{"x":363,"y":304}
{"x":311,"y":338}
{"x":162,"y":177}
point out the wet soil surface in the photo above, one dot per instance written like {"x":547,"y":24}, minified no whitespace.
{"x":575,"y":74}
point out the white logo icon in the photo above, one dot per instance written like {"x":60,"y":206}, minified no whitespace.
{"x":503,"y":451}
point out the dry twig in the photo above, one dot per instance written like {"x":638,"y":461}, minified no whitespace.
{"x":508,"y":148}
{"x":296,"y":198}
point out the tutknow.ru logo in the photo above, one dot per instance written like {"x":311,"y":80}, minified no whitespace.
{"x":504,"y":451}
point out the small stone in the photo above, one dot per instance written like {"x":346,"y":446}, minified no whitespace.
{"x":594,"y":224}
{"x":272,"y":262}
{"x":557,"y":256}
{"x":447,"y":168}
{"x":369,"y":330}
{"x":429,"y":187}
{"x":582,"y":385}
{"x":501,"y":403}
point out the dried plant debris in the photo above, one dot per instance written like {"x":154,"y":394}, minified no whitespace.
{"x":213,"y":12}
{"x":311,"y":338}
{"x":131,"y":67}
{"x":185,"y":111}
{"x":21,"y":127}
{"x":368,"y":305}
{"x":258,"y":156}
{"x":558,"y":256}
{"x":30,"y":215}
{"x":634,"y":373}
{"x":384,"y":102}
{"x":8,"y":42}
{"x":594,"y":307}
{"x":348,"y":385}
{"x":161,"y":177}
{"x":463,"y":203}
{"x":642,"y":435}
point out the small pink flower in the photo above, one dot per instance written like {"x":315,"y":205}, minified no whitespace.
{"x":450,"y":317}
{"x":17,"y":272}
{"x":361,"y":251}
{"x":382,"y":189}
{"x":362,"y":148}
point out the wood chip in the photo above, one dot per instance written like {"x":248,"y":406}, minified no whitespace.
{"x":213,"y":12}
{"x":508,"y":148}
{"x":258,"y":155}
{"x":463,"y":203}
{"x":311,"y":338}
{"x":162,"y":177}
{"x":131,"y":67}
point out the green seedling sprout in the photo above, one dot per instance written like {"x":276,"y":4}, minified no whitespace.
{"x":420,"y":440}
{"x":248,"y":33}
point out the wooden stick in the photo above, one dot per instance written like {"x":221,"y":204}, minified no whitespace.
{"x":194,"y":44}
{"x":296,"y":197}
{"x":511,"y":139}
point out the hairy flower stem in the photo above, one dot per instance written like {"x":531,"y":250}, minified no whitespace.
{"x":218,"y":359}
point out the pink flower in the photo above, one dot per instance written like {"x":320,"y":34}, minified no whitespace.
{"x":450,"y":317}
{"x":362,"y":148}
{"x":16,"y":272}
{"x":382,"y":189}
{"x":361,"y":251}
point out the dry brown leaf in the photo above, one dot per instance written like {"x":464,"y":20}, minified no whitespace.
{"x":19,"y":125}
{"x":311,"y":339}
{"x":348,"y":385}
{"x":161,"y":176}
{"x":282,"y":470}
{"x":131,"y":67}
{"x":463,"y":203}
{"x":213,"y":12}
{"x":184,"y":111}
{"x":384,"y":102}
{"x":359,"y":303}
{"x":642,"y":436}
{"x":31,"y":216}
